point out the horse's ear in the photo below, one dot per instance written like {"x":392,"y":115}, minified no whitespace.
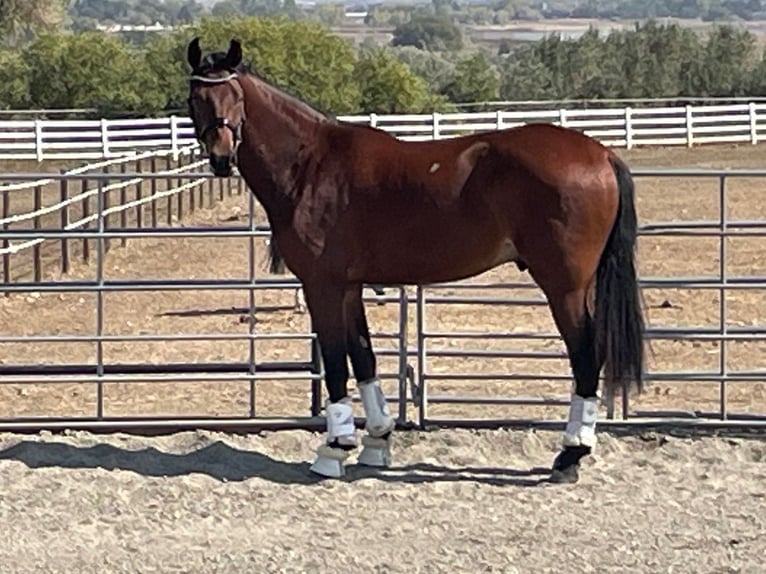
{"x":234,"y":55}
{"x":194,"y":54}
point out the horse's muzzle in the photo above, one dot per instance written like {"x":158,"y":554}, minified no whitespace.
{"x":221,"y":165}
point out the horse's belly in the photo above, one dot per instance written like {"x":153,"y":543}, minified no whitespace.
{"x":506,"y":253}
{"x":439,"y":259}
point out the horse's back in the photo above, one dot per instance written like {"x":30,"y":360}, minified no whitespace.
{"x":552,"y":153}
{"x":472,"y":197}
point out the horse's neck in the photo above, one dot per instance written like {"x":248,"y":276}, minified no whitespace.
{"x":278,"y":132}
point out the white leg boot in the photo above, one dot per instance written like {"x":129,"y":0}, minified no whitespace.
{"x":340,"y":427}
{"x":377,"y":450}
{"x":581,"y":424}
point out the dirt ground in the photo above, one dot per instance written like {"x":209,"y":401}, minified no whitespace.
{"x":455,"y":501}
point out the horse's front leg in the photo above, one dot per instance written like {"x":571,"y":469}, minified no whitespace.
{"x":379,"y":423}
{"x":325,"y":305}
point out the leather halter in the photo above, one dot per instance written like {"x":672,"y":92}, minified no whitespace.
{"x":221,"y":122}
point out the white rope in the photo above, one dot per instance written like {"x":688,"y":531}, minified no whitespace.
{"x":85,"y":168}
{"x":16,"y":247}
{"x":57,"y":206}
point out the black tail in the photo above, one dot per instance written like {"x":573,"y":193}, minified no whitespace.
{"x":276,"y":263}
{"x":619,"y":319}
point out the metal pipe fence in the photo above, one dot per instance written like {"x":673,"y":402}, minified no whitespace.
{"x":40,"y":207}
{"x":416,"y":357}
{"x":724,"y":333}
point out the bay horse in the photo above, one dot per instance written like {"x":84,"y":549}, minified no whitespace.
{"x":350,"y":205}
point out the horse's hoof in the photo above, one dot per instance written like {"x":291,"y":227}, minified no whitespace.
{"x":330,"y":462}
{"x":376,"y":452}
{"x":566,"y":475}
{"x":328,"y":467}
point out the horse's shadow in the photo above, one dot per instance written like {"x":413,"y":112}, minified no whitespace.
{"x":225,"y":311}
{"x":226,"y":463}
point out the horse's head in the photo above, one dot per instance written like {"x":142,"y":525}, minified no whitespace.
{"x":216,"y":104}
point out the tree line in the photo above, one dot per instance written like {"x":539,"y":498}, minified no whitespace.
{"x":650,"y":61}
{"x":86,"y":13}
{"x":103,"y":72}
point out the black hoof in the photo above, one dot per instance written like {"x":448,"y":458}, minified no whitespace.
{"x":567,"y":475}
{"x":567,"y":463}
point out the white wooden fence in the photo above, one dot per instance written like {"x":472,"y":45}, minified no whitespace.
{"x":620,"y":127}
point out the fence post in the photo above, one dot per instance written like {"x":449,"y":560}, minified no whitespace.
{"x":499,"y":119}
{"x":168,"y":167}
{"x":139,"y":196}
{"x":317,"y":367}
{"x":753,"y":123}
{"x":435,"y":122}
{"x":6,"y":241}
{"x":153,"y":190}
{"x":39,"y":140}
{"x":201,"y":187}
{"x":37,"y":261}
{"x":85,"y":216}
{"x":123,"y":202}
{"x":179,"y":195}
{"x":103,"y":184}
{"x":628,"y":128}
{"x":174,"y":136}
{"x":64,"y":224}
{"x":689,"y":126}
{"x":192,"y":189}
{"x":105,"y":151}
{"x":563,"y":118}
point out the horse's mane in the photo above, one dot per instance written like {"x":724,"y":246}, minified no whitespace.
{"x":216,"y":62}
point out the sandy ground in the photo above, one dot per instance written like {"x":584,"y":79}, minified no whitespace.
{"x":456,"y":501}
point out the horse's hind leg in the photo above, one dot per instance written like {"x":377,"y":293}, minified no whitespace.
{"x":380,"y":424}
{"x":325,"y":304}
{"x":574,"y":321}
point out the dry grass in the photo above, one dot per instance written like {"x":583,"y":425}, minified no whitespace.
{"x":220,"y":312}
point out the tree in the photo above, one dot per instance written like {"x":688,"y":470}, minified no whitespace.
{"x":21,"y":20}
{"x":301,"y":57}
{"x":434,"y":68}
{"x":525,"y":76}
{"x":428,"y":32}
{"x":474,"y":80}
{"x":388,"y":86}
{"x":727,"y":62}
{"x":165,"y":57}
{"x":89,"y":70}
{"x":14,"y":88}
{"x":331,"y":14}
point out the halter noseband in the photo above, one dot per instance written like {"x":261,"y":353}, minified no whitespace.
{"x":219,"y":122}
